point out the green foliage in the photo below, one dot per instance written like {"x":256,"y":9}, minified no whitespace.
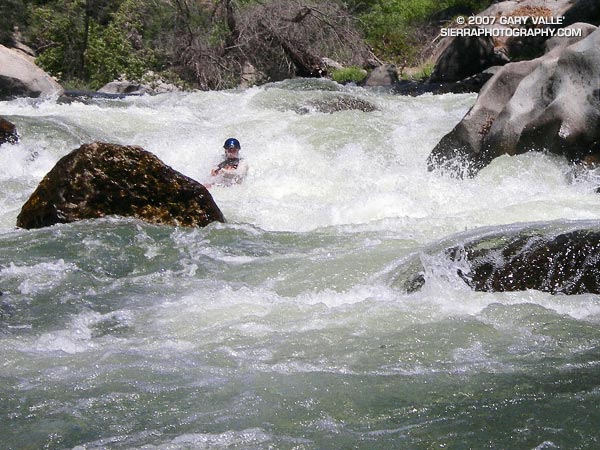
{"x":109,"y":56}
{"x":87,"y":43}
{"x":12,"y":13}
{"x":218,"y":33}
{"x":423,"y":73}
{"x":111,"y":51}
{"x":57,"y":29}
{"x":393,"y":28}
{"x":82,"y":42}
{"x":349,"y":74}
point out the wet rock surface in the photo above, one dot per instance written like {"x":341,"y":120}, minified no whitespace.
{"x":8,"y":132}
{"x":101,"y":179}
{"x":565,"y":263}
{"x":550,"y":103}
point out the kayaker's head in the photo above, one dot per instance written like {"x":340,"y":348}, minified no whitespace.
{"x":232,"y":148}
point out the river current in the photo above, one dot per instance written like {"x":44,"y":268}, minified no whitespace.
{"x":288,"y":327}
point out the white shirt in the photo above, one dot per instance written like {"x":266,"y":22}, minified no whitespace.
{"x":229,"y":175}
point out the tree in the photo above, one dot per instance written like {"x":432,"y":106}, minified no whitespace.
{"x":303,"y":33}
{"x":12,"y":14}
{"x":213,"y":42}
{"x":117,"y":50}
{"x":57,"y":35}
{"x":279,"y":38}
{"x":90,"y":42}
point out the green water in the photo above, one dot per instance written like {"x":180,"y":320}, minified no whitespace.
{"x":289,"y":327}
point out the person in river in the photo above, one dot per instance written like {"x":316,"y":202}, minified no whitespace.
{"x":233,"y":169}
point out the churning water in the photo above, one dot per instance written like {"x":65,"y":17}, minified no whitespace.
{"x":287,"y":327}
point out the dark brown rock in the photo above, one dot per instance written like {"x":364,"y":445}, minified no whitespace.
{"x":465,"y":57}
{"x":566,"y":263}
{"x":8,"y":132}
{"x":101,"y":179}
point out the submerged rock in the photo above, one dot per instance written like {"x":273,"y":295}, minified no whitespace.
{"x":8,"y":132}
{"x":101,"y":179}
{"x":338,"y":103}
{"x":471,"y":84}
{"x":549,"y":103}
{"x":554,"y":257}
{"x":564,"y":263}
{"x":151,"y":85}
{"x":123,"y":87}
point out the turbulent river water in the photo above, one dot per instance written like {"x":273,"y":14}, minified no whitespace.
{"x":288,"y":327}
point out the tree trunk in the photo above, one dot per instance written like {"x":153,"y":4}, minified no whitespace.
{"x":234,"y":32}
{"x":307,"y":64}
{"x":86,"y":36}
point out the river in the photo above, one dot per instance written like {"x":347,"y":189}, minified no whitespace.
{"x":288,"y":327}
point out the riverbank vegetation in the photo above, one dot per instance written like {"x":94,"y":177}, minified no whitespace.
{"x":215,"y":44}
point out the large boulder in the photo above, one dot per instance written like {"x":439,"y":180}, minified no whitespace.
{"x":559,"y":257}
{"x":559,"y":263}
{"x":101,"y":179}
{"x":20,"y":77}
{"x":465,"y":57}
{"x":384,"y":75}
{"x":458,"y":57}
{"x":549,"y":103}
{"x":8,"y":132}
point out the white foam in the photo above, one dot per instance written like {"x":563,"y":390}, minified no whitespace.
{"x":38,"y":277}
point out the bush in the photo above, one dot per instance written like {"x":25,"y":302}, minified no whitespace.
{"x":279,"y":39}
{"x":12,"y":13}
{"x":421,"y":74}
{"x":397,"y":29}
{"x":349,"y":75}
{"x":90,"y":48}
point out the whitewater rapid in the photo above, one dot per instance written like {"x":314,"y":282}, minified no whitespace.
{"x":288,"y":326}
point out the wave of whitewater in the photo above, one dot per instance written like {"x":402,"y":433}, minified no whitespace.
{"x":286,"y":327}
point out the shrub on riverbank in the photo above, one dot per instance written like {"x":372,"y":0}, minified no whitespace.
{"x":399,"y":31}
{"x":349,"y":75}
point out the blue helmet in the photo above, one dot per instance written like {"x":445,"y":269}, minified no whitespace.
{"x":232,"y":143}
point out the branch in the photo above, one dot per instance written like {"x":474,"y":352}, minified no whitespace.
{"x":304,"y":11}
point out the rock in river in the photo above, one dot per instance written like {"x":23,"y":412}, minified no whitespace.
{"x":550,"y":103}
{"x":20,"y":77}
{"x":564,"y":263}
{"x":8,"y":132}
{"x":559,"y":257}
{"x":101,"y":179}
